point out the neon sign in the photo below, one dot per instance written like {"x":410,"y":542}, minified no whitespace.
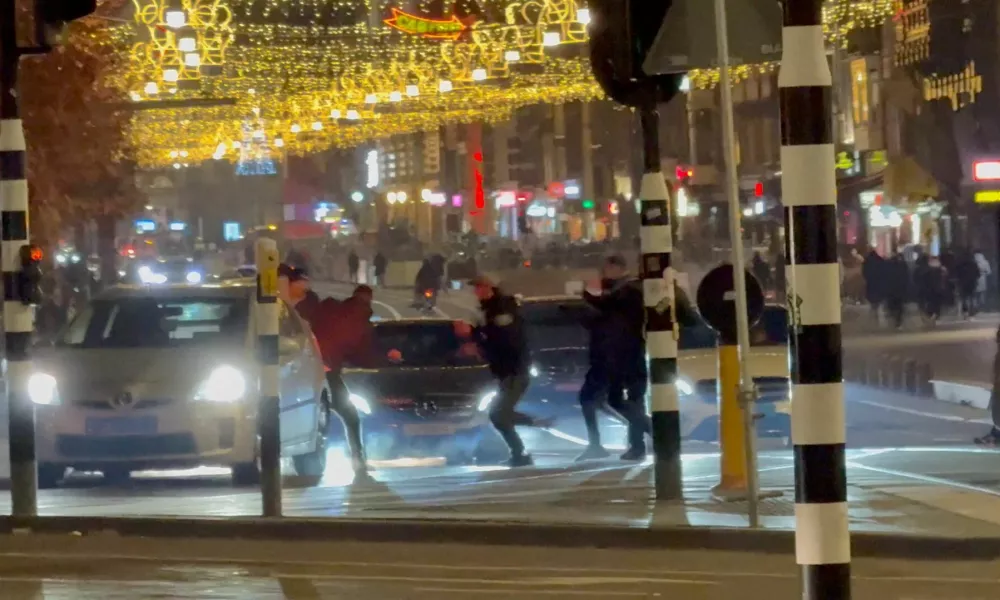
{"x":438,"y":29}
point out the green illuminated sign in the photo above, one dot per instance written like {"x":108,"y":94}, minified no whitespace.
{"x":588,"y":204}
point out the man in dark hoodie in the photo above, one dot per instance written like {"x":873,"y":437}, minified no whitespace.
{"x":617,"y":360}
{"x":343,"y":333}
{"x":502,"y":340}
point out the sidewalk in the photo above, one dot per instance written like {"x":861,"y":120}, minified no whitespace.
{"x":892,"y":511}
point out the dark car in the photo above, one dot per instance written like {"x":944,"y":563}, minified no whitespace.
{"x":428,"y":393}
{"x":559,"y":340}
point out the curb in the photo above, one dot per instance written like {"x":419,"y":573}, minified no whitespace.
{"x":863,"y":544}
{"x":966,"y":394}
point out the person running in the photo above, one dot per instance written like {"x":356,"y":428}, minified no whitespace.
{"x":993,"y":437}
{"x":353,"y":266}
{"x":342,"y":331}
{"x":503,"y":342}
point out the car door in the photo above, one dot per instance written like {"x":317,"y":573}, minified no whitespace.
{"x":297,"y":403}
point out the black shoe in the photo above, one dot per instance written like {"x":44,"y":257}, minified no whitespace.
{"x":520,"y":460}
{"x":635,"y":454}
{"x":593,"y":452}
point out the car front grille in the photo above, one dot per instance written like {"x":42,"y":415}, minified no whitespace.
{"x":91,"y":447}
{"x":106,"y":404}
{"x":438,"y":406}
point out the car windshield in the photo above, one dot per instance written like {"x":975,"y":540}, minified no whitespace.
{"x":422,"y":345}
{"x":151,"y":322}
{"x":770,"y":330}
{"x":555,"y":324}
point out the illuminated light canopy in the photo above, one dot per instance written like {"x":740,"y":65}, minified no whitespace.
{"x":442,"y":29}
{"x":445,"y":86}
{"x":295,"y":128}
{"x":583,"y":16}
{"x":187,"y":44}
{"x":317,"y":125}
{"x":395,"y":97}
{"x":371,"y":99}
{"x":170,"y":75}
{"x":151,"y":89}
{"x":551,"y":38}
{"x":335,"y":113}
{"x":512,"y":56}
{"x":412,"y":91}
{"x":175,"y":18}
{"x":479,"y":75}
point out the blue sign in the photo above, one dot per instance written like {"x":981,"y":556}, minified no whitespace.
{"x":178,"y":226}
{"x":145,"y":225}
{"x":231,"y":231}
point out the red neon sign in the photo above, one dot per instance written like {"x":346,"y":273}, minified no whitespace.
{"x":480,"y":195}
{"x":986,"y":170}
{"x":437,"y":29}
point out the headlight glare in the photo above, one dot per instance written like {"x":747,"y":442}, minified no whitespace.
{"x":225,"y":384}
{"x":43,"y":389}
{"x":361,"y":404}
{"x":194,"y":277}
{"x":486,"y":400}
{"x":684,"y":387}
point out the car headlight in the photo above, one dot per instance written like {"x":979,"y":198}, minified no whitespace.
{"x":43,"y":389}
{"x":360,"y":403}
{"x":485,"y":401}
{"x":194,"y":277}
{"x":225,"y":384}
{"x":148,"y":276}
{"x":533,"y":371}
{"x":684,"y":387}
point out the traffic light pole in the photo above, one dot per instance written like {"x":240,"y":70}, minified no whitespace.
{"x":18,"y":316}
{"x":808,"y":189}
{"x":657,"y":277}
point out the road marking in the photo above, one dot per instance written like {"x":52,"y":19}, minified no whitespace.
{"x":395,"y":313}
{"x":926,"y":479}
{"x":470,"y":592}
{"x":920,"y":413}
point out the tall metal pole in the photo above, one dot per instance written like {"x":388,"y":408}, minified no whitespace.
{"x":808,"y":190}
{"x":739,"y":272}
{"x":656,"y":245}
{"x":18,"y":317}
{"x":268,"y":415}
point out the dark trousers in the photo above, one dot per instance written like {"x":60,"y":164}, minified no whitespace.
{"x":341,"y":404}
{"x":504,"y":414}
{"x":625,"y":393}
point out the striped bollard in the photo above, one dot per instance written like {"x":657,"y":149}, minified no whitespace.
{"x":808,"y":188}
{"x":655,"y":245}
{"x":18,"y":317}
{"x":267,"y":313}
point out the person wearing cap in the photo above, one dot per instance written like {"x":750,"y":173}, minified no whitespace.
{"x":617,"y":360}
{"x":343,"y":333}
{"x":502,"y":340}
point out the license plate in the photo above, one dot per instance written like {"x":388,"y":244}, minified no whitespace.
{"x":121,"y":425}
{"x":430,"y":429}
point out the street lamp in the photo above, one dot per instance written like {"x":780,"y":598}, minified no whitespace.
{"x":357,"y":197}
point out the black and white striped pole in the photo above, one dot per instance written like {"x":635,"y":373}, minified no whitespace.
{"x":268,"y":312}
{"x":655,"y":246}
{"x":18,"y":315}
{"x":808,"y":189}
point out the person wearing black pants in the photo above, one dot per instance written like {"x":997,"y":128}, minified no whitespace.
{"x":617,"y":361}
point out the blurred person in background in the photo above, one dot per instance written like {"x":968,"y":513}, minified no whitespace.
{"x":353,"y":266}
{"x":380,"y":265}
{"x":993,"y":437}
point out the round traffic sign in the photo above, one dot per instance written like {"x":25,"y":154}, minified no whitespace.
{"x":717,"y":300}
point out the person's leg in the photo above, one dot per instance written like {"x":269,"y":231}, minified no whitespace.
{"x":502,"y":417}
{"x":348,"y":414}
{"x":632,"y":414}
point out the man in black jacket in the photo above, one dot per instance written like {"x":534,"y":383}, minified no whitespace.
{"x":617,"y":360}
{"x":502,"y":340}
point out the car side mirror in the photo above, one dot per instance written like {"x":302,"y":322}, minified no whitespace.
{"x":288,"y":346}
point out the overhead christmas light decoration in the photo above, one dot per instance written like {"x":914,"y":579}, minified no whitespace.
{"x":440,"y":29}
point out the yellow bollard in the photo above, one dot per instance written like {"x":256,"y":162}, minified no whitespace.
{"x":732,"y":442}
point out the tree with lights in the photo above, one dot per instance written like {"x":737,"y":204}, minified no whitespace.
{"x":76,"y":131}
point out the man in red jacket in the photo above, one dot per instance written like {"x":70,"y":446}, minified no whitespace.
{"x":344,"y":334}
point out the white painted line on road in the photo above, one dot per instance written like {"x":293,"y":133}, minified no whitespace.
{"x":395,"y":313}
{"x":441,"y":313}
{"x":470,"y":592}
{"x":926,"y":479}
{"x":920,"y":413}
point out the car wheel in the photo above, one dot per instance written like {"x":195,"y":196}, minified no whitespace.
{"x":313,"y":464}
{"x":49,"y":476}
{"x":246,"y":474}
{"x":117,"y":475}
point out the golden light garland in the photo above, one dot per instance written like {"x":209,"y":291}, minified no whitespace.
{"x":322,"y":74}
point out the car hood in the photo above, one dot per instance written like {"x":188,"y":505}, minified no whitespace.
{"x":699,"y":365}
{"x":440,"y":382}
{"x":87,"y":374}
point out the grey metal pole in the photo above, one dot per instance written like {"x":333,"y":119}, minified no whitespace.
{"x":18,"y":317}
{"x":747,"y":393}
{"x":268,"y":415}
{"x":808,"y":190}
{"x":657,"y":277}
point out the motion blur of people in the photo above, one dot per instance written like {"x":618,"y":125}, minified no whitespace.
{"x":985,"y":271}
{"x":872,"y":271}
{"x":428,"y":279}
{"x":380,"y":265}
{"x":931,"y":284}
{"x":617,"y":360}
{"x":353,"y":265}
{"x":967,"y":275}
{"x":762,"y":271}
{"x":897,"y":286}
{"x":504,"y":344}
{"x":343,"y":331}
{"x":52,"y":312}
